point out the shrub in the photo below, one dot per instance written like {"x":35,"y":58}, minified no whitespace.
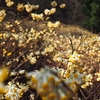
{"x":91,"y":10}
{"x":40,"y":59}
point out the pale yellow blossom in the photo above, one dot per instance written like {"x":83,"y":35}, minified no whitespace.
{"x":53,"y":3}
{"x":63,"y":5}
{"x":2,"y":15}
{"x":20,"y":7}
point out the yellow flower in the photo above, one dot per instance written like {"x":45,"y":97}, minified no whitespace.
{"x":28,"y":7}
{"x":98,"y":76}
{"x":74,"y":57}
{"x":2,"y":89}
{"x":52,"y":11}
{"x":20,"y":7}
{"x":3,"y":74}
{"x":53,"y":25}
{"x":63,"y":5}
{"x":9,"y":3}
{"x":37,"y":16}
{"x":33,"y":60}
{"x":9,"y":54}
{"x":2,"y":15}
{"x":35,"y":7}
{"x":49,"y":12}
{"x":53,"y":3}
{"x":0,"y":35}
{"x":4,"y":51}
{"x":88,"y":78}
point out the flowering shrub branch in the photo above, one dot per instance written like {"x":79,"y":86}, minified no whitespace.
{"x":42,"y":59}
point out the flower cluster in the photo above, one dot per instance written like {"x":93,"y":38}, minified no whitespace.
{"x":53,"y":3}
{"x":37,"y":16}
{"x":9,"y":3}
{"x":2,"y":15}
{"x":49,"y":12}
{"x":20,"y":7}
{"x":98,"y":76}
{"x":29,"y":7}
{"x":53,"y":25}
{"x":13,"y":90}
{"x":88,"y":80}
{"x":63,"y":5}
{"x":3,"y":74}
{"x":49,"y":85}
